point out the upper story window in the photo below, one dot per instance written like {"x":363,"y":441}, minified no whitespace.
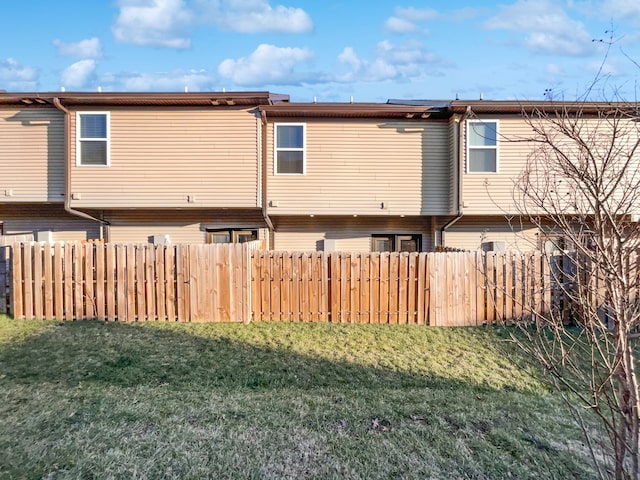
{"x":92,"y":133}
{"x":290,"y":151}
{"x":482,"y":146}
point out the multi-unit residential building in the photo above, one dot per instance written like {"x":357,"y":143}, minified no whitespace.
{"x":234,"y":166}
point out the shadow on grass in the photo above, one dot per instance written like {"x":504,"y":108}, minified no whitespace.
{"x":130,"y":355}
{"x":271,"y":401}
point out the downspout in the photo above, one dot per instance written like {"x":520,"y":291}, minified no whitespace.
{"x":460,"y":168}
{"x":67,"y":170}
{"x":263,"y":156}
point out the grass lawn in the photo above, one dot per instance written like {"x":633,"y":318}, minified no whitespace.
{"x":274,"y":400}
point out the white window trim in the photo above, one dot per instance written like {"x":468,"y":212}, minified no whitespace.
{"x":79,"y":140}
{"x":276,"y":149}
{"x":496,"y":148}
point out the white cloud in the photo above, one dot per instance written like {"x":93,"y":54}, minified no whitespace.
{"x":393,"y":62}
{"x":417,"y":14}
{"x":405,"y":54}
{"x":79,"y":74}
{"x":172,"y":81}
{"x":14,"y":76}
{"x":624,"y":9}
{"x":159,"y":23}
{"x":165,"y":23}
{"x":268,"y":64}
{"x":89,"y":48}
{"x":548,"y":27}
{"x":399,"y":25}
{"x":255,"y":16}
{"x":405,"y":20}
{"x":349,"y":57}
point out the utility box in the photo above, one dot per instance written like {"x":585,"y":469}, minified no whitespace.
{"x":160,"y":239}
{"x":43,"y":236}
{"x":329,"y":245}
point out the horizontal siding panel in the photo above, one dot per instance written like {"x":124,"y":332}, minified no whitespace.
{"x":180,"y":226}
{"x":471,"y":232}
{"x":355,"y":165}
{"x":161,"y":157}
{"x":28,"y":219}
{"x":493,"y":194}
{"x":350,"y":234}
{"x":31,"y":155}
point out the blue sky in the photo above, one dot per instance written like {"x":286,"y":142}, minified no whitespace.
{"x":328,"y":49}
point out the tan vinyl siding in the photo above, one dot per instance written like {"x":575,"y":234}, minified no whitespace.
{"x":493,"y":193}
{"x":496,"y":193}
{"x":180,"y":226}
{"x":26,"y":219}
{"x":474,"y":232}
{"x":347,"y":233}
{"x":161,"y":157}
{"x":489,"y":193}
{"x":354,"y":166}
{"x":31,"y":155}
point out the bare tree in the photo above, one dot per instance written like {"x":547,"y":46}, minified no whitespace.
{"x":581,"y":188}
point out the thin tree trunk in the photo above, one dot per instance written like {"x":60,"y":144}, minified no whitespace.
{"x":634,"y":410}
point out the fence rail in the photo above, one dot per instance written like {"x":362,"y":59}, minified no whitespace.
{"x":136,"y":282}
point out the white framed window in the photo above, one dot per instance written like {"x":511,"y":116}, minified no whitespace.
{"x":93,"y":139}
{"x":290,"y":149}
{"x":482,"y":146}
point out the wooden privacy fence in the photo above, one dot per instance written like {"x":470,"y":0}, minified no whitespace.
{"x":441,"y":289}
{"x":137,"y":282}
{"x":131,"y":282}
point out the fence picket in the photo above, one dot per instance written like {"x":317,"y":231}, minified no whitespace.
{"x":150,"y":281}
{"x":384,"y":287}
{"x":122,"y":293}
{"x":48,"y":281}
{"x":170,"y":281}
{"x":403,"y":291}
{"x":38,"y":311}
{"x":375,"y":288}
{"x":99,"y":300}
{"x":17,"y":292}
{"x":88,"y":273}
{"x":394,"y":271}
{"x":365,"y":289}
{"x":130,"y":288}
{"x":422,"y":292}
{"x":354,"y":290}
{"x":110,"y":275}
